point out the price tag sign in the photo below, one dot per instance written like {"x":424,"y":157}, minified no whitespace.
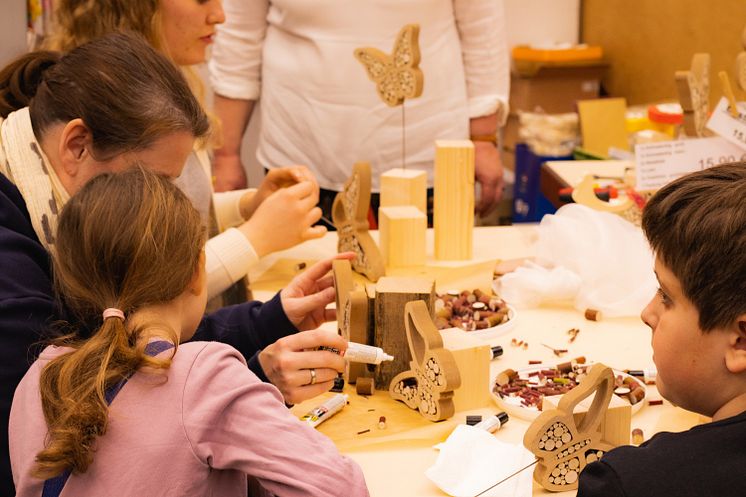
{"x":724,"y":124}
{"x":660,"y":163}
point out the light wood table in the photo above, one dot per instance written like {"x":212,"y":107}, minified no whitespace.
{"x":394,"y":459}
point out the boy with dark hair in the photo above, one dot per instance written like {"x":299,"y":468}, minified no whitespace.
{"x":696,"y":226}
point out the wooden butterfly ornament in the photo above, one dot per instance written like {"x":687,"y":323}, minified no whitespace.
{"x":563,"y":448}
{"x":397,"y":76}
{"x":352,"y":314}
{"x":350,"y":216}
{"x":428,"y":386}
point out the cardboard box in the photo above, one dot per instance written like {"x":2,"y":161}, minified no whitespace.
{"x":555,"y":89}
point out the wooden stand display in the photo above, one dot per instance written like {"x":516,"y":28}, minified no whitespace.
{"x":428,"y":386}
{"x":350,"y":216}
{"x":693,"y":87}
{"x":454,"y":199}
{"x":402,"y":236}
{"x":352,"y":314}
{"x":472,"y":357}
{"x":563,"y":447}
{"x":392,"y":294}
{"x":404,"y":187}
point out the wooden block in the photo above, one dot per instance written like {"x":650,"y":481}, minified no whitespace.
{"x":472,"y":357}
{"x":392,"y":294}
{"x":693,"y":87}
{"x":404,"y":187}
{"x":454,"y":199}
{"x":402,"y":235}
{"x":560,"y":443}
{"x":615,"y":425}
{"x":433,"y":375}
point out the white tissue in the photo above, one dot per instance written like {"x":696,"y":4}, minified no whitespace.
{"x":472,"y":460}
{"x":531,"y":284}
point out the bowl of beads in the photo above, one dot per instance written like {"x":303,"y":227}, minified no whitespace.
{"x":481,"y":314}
{"x":521,"y":393}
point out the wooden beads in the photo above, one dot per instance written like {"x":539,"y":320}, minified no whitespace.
{"x":365,"y":386}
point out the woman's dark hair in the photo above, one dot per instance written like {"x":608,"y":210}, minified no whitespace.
{"x":126,"y":93}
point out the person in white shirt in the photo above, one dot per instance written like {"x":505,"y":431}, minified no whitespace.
{"x":318,"y":106}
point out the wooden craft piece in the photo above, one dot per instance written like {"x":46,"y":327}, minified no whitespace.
{"x":563,"y":447}
{"x":728,"y":93}
{"x":350,"y":216}
{"x":397,"y":76}
{"x":584,"y":194}
{"x":433,"y":376}
{"x":472,"y":357}
{"x":454,"y":199}
{"x":693,"y":87}
{"x":616,"y":424}
{"x":741,"y":70}
{"x":404,"y":187}
{"x":402,"y":236}
{"x":365,"y":386}
{"x":392,"y":295}
{"x":352,"y":314}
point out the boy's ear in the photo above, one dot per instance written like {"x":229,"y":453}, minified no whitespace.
{"x":735,"y":357}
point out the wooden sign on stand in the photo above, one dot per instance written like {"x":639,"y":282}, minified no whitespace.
{"x":454,"y":199}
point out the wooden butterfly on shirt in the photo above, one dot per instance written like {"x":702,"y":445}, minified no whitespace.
{"x":563,"y":447}
{"x":397,"y":76}
{"x":350,"y":216}
{"x":428,"y":386}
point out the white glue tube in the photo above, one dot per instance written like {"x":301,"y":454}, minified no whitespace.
{"x":329,"y":408}
{"x":367,"y":354}
{"x":493,"y":423}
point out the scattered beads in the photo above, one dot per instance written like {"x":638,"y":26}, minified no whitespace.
{"x":469,"y":311}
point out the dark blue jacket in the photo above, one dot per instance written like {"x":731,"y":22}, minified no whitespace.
{"x":27,"y":307}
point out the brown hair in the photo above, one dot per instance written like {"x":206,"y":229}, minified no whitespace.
{"x":79,"y":21}
{"x":126,"y":240}
{"x":697,"y":227}
{"x":125,"y":92}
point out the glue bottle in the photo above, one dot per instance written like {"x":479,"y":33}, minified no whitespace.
{"x":330,"y":407}
{"x":367,"y":354}
{"x":493,"y":423}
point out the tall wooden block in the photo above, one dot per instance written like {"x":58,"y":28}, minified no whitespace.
{"x":392,"y":294}
{"x":404,"y":187}
{"x":402,"y":235}
{"x":472,"y":357}
{"x":454,"y":199}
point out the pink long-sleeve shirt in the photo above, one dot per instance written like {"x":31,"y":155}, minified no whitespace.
{"x":198,"y":434}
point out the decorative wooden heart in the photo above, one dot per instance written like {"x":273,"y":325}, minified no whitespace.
{"x":428,"y":386}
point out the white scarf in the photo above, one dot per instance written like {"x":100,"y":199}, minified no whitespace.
{"x":24,"y":163}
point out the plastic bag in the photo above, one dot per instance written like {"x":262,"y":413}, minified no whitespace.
{"x":609,"y":255}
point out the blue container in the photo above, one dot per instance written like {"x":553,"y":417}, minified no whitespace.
{"x":529,"y":205}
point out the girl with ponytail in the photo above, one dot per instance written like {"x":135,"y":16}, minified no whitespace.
{"x":131,"y":411}
{"x":65,"y":119}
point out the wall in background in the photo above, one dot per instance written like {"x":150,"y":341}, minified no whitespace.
{"x":12,"y":30}
{"x":646,"y":41}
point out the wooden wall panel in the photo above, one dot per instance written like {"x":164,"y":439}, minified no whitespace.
{"x":645,"y":41}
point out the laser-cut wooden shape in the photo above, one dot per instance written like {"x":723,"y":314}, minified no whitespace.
{"x":454,"y":199}
{"x":584,"y":194}
{"x":389,"y":331}
{"x":397,"y":76}
{"x":352,"y":314}
{"x":350,"y":216}
{"x":402,"y":236}
{"x":693,"y":87}
{"x":428,"y":386}
{"x":563,"y":447}
{"x":401,"y":187}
